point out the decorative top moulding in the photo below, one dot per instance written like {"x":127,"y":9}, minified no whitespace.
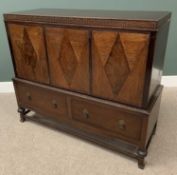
{"x":131,"y":20}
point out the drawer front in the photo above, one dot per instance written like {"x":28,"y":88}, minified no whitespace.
{"x":107,"y":118}
{"x":119,"y":64}
{"x":41,"y":99}
{"x":29,"y":53}
{"x":68,"y":51}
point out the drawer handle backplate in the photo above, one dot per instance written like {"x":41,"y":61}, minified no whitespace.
{"x":54,"y":103}
{"x":122,"y":125}
{"x":85,"y":113}
{"x":28,"y":96}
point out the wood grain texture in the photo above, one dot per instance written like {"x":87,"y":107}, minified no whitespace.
{"x":29,"y":52}
{"x":68,"y":52}
{"x":119,"y":64}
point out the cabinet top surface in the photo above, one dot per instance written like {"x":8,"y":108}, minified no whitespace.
{"x":51,"y":16}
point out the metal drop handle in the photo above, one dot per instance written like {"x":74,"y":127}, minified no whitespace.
{"x":54,"y":103}
{"x":28,"y":96}
{"x":85,"y":113}
{"x":121,"y":124}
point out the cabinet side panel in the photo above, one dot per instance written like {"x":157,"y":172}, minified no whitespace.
{"x":153,"y":117}
{"x":158,"y":59}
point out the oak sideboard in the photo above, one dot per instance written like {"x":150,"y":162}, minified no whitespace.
{"x":92,"y":73}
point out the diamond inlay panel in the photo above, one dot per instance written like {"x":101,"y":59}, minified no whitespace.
{"x":119,"y":63}
{"x":117,"y":68}
{"x":67,"y":59}
{"x":68,"y":52}
{"x":133,"y":45}
{"x":103,"y":49}
{"x":29,"y":52}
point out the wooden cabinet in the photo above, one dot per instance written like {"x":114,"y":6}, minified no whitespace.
{"x":94,"y":74}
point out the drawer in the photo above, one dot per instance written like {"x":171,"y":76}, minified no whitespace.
{"x":111,"y":119}
{"x":39,"y":99}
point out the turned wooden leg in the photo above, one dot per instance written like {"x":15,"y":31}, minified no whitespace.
{"x":22,"y":114}
{"x":141,"y":163}
{"x":141,"y":156}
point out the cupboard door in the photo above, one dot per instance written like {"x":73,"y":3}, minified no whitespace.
{"x":68,"y":51}
{"x":29,"y":52}
{"x":119,"y":64}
